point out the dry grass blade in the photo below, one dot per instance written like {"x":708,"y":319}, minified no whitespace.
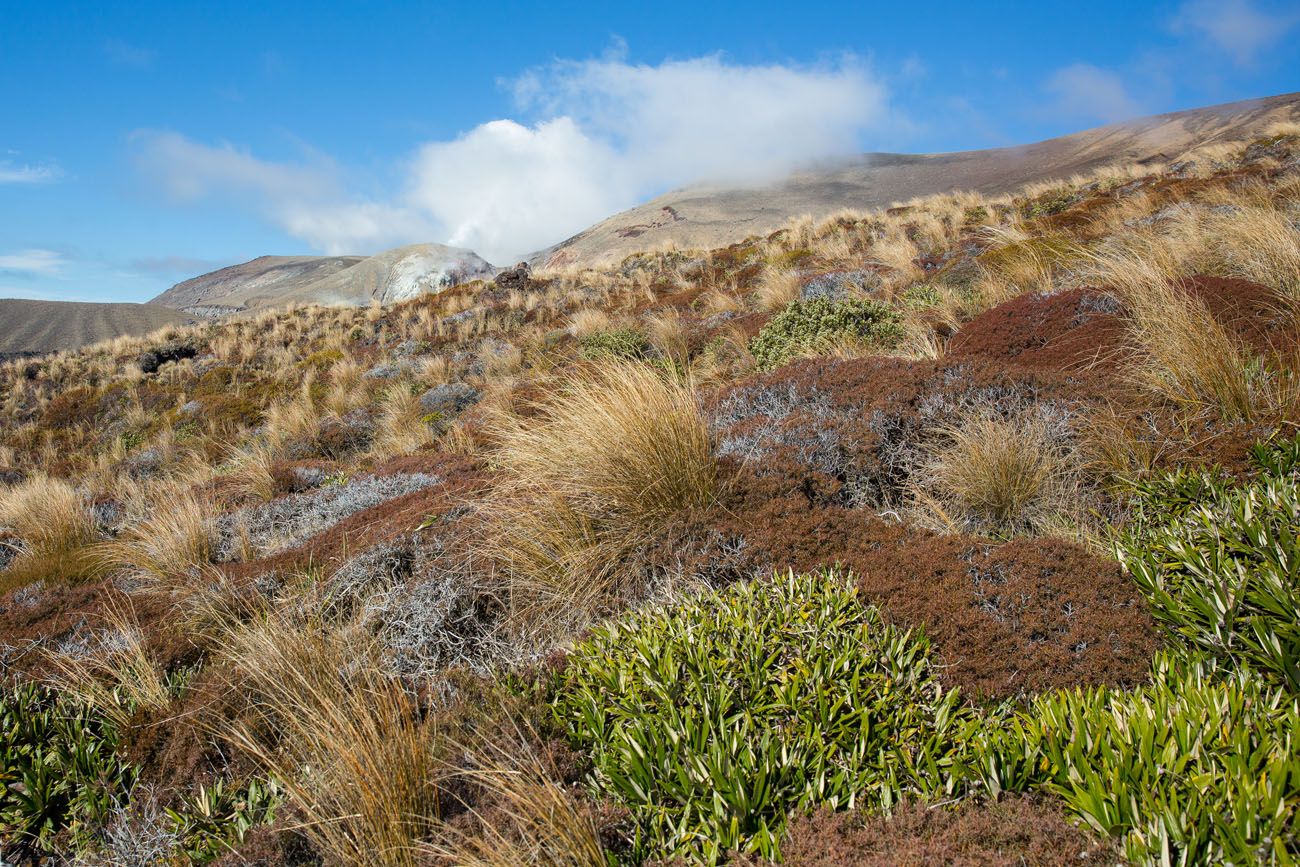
{"x":56,"y":529}
{"x":600,"y":464}
{"x":402,"y":428}
{"x":624,"y":441}
{"x":1187,"y":356}
{"x":1001,"y":474}
{"x":116,"y":675}
{"x":176,"y":535}
{"x":354,"y":753}
{"x":1260,"y":245}
{"x":251,"y":472}
{"x":777,"y":287}
{"x":532,"y":820}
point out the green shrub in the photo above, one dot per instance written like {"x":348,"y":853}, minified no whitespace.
{"x":1196,"y":768}
{"x":1053,"y":202}
{"x":805,"y":327}
{"x":1219,"y":563}
{"x":60,"y":778}
{"x":209,"y":823}
{"x":920,"y":296}
{"x":791,"y":259}
{"x":713,"y":719}
{"x":618,"y":343}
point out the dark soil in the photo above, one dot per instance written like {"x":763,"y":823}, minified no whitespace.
{"x":1015,"y":832}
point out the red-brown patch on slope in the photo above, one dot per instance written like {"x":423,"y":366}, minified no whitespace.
{"x":1005,"y":618}
{"x":1078,"y":332}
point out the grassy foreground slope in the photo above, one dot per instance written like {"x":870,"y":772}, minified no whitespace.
{"x":964,"y":529}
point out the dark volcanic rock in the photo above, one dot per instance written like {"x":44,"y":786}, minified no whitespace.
{"x":152,"y":359}
{"x":518,"y":277}
{"x":450,"y":398}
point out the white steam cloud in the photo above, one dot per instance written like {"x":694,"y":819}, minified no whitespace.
{"x":608,"y":134}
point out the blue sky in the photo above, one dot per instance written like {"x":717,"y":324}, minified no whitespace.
{"x":143,"y":143}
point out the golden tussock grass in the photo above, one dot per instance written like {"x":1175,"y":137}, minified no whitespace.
{"x":1260,"y":245}
{"x":667,"y":333}
{"x":401,"y":427}
{"x":598,"y":464}
{"x":248,"y":471}
{"x":352,"y":751}
{"x":1184,"y":354}
{"x":532,"y":821}
{"x":898,"y":253}
{"x":170,"y":534}
{"x":777,"y":287}
{"x":56,"y":529}
{"x":717,"y":301}
{"x":588,"y":320}
{"x":1007,"y":475}
{"x":118,"y":678}
{"x":1116,"y":447}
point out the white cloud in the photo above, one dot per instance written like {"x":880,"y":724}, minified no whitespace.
{"x":28,"y":174}
{"x":704,"y":118}
{"x":1238,"y":27}
{"x":40,"y":262}
{"x":605,"y":134}
{"x":307,"y":200}
{"x":1086,"y":92}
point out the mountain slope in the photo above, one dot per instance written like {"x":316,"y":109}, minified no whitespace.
{"x":393,"y":275}
{"x":45,"y":326}
{"x":251,"y":283}
{"x":709,"y":216}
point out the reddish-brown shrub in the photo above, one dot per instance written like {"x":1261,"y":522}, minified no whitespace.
{"x":1005,"y":618}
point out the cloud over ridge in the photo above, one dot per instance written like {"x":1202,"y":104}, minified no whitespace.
{"x":600,"y":135}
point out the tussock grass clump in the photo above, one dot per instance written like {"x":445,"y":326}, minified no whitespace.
{"x":1005,"y":475}
{"x":56,"y":529}
{"x":713,"y":719}
{"x":403,"y":425}
{"x":599,"y":465}
{"x":588,"y":320}
{"x":350,"y":748}
{"x":163,"y":545}
{"x":532,"y":819}
{"x":1261,"y":245}
{"x":1186,"y":355}
{"x":116,"y":675}
{"x":250,"y":471}
{"x":777,"y":287}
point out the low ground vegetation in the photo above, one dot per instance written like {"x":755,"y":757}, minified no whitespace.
{"x":949,"y":525}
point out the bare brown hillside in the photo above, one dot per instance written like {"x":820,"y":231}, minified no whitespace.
{"x":28,"y":326}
